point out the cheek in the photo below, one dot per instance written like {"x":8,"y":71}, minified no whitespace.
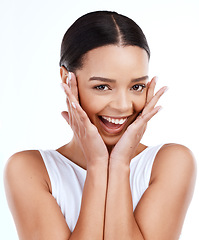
{"x":90,"y":103}
{"x":139,"y":103}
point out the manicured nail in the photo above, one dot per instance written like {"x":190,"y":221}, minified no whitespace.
{"x":68,"y":77}
{"x":166,"y":89}
{"x":73,"y":104}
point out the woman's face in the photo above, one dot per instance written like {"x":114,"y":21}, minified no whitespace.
{"x":112,"y":88}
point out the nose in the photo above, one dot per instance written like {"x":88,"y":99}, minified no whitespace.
{"x":122,"y":103}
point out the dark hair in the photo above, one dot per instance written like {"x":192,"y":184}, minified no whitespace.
{"x":97,"y":29}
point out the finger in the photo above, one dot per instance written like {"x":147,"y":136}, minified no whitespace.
{"x":73,"y":115}
{"x":146,"y":117}
{"x":70,"y":98}
{"x":140,"y":124}
{"x":154,"y":100}
{"x":83,"y":117}
{"x":70,"y":115}
{"x":69,"y":93}
{"x":65,"y":115}
{"x":151,"y":89}
{"x":73,"y":86}
{"x":80,"y":114}
{"x":72,"y":118}
{"x":86,"y":124}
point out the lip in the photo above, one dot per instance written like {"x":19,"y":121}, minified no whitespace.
{"x":113,"y":130}
{"x":116,"y":117}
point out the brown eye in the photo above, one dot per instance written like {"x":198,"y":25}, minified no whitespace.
{"x":102,"y":87}
{"x":138,"y":87}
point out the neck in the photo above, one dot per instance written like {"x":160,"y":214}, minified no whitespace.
{"x":73,"y":152}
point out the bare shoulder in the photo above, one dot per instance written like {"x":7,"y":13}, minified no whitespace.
{"x":25,"y":165}
{"x":34,"y":209}
{"x":162,"y":209}
{"x":24,"y":157}
{"x":175,"y":162}
{"x":176,"y":155}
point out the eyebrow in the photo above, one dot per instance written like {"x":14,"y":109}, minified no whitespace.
{"x":102,"y":79}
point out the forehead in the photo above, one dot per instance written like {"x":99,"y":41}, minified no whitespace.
{"x":116,"y":59}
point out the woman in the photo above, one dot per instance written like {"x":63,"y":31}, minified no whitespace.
{"x":103,"y":184}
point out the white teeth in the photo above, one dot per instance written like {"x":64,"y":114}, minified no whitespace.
{"x":114,"y":120}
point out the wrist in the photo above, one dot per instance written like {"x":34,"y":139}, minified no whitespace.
{"x":119,"y":165}
{"x":98,"y":175}
{"x":123,"y":161}
{"x":119,"y":172}
{"x":100,"y":165}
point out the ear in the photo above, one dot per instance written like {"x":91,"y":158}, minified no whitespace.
{"x":63,"y":73}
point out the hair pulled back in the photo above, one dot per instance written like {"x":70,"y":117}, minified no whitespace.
{"x":97,"y":29}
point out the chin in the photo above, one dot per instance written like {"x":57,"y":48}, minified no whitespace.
{"x":111,"y":140}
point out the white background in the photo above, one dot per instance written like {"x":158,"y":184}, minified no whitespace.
{"x":31,"y":99}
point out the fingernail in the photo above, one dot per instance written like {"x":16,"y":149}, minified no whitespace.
{"x":73,"y":104}
{"x":68,"y":77}
{"x":166,"y":89}
{"x":160,"y":108}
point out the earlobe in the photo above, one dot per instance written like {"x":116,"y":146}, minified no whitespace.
{"x":63,"y":73}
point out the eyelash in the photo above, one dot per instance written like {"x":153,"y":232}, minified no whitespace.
{"x":139,"y":85}
{"x":108,"y":88}
{"x":102,"y":85}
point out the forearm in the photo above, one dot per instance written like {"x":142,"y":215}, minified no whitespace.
{"x":119,"y":218}
{"x":90,"y":224}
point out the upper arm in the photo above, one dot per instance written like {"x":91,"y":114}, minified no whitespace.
{"x":161,"y":211}
{"x":35,"y":211}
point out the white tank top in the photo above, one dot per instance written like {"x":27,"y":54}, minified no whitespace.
{"x":67,"y":180}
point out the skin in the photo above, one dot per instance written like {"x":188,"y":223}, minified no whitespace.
{"x":118,"y":99}
{"x":161,"y":210}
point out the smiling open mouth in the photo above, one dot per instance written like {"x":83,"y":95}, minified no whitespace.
{"x":112,"y":125}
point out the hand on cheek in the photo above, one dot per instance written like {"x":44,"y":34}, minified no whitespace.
{"x":86,"y":133}
{"x":125,"y":149}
